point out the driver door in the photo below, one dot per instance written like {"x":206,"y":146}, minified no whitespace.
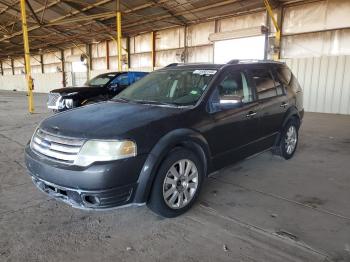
{"x":118,"y":84}
{"x":235,"y":126}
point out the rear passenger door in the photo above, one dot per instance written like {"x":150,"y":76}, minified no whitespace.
{"x":272,"y":100}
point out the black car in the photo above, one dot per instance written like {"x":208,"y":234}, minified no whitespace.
{"x":158,"y":140}
{"x":97,"y":89}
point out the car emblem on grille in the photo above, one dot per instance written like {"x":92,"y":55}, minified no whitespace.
{"x":45,"y":144}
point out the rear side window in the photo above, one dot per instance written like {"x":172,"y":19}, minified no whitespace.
{"x":279,"y":84}
{"x":284,"y":74}
{"x":264,"y":82}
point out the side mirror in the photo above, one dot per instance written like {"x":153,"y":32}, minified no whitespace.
{"x":231,"y":101}
{"x":226,"y":102}
{"x":113,"y":87}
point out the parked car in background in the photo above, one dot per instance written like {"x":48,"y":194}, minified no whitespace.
{"x":157,"y":140}
{"x":99,"y":88}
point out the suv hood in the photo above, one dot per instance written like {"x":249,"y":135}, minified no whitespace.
{"x":81,"y":89}
{"x":110,"y":120}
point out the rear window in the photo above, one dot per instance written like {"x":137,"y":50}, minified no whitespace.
{"x":264,"y":83}
{"x":284,"y":74}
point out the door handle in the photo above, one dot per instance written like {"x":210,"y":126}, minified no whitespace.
{"x":250,"y":114}
{"x":284,"y":104}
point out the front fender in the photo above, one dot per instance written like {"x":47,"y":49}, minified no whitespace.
{"x":187,"y":138}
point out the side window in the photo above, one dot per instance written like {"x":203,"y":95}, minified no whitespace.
{"x":235,"y":84}
{"x":278,"y":83}
{"x":284,"y":74}
{"x":122,"y":80}
{"x":264,"y":82}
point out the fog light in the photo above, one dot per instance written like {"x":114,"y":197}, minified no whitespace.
{"x":91,"y":200}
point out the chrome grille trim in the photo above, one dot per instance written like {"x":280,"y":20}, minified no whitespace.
{"x":61,"y":149}
{"x":59,"y":139}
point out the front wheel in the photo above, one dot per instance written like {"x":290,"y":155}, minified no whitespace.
{"x":289,"y":139}
{"x":177,"y":184}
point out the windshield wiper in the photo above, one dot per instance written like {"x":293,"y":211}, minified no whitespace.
{"x":154,"y":102}
{"x":121,"y":99}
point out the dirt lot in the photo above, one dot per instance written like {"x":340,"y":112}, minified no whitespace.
{"x":261,"y":209}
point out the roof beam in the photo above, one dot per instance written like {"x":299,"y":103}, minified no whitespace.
{"x":33,"y":12}
{"x":203,"y":8}
{"x":36,"y":11}
{"x":171,"y":13}
{"x":56,"y":19}
{"x":108,"y":30}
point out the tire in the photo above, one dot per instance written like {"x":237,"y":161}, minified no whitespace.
{"x":171,"y":183}
{"x":289,"y":139}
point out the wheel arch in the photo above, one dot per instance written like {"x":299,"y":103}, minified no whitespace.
{"x":186,"y":138}
{"x":291,"y":113}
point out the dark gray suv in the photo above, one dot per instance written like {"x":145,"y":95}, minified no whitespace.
{"x":157,"y":140}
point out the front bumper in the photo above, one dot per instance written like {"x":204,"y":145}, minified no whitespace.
{"x":99,"y":186}
{"x":101,"y":199}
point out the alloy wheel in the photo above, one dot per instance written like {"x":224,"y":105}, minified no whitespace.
{"x":291,"y":139}
{"x":180,"y":184}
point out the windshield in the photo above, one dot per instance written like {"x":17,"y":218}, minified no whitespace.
{"x":100,"y":80}
{"x":176,"y":87}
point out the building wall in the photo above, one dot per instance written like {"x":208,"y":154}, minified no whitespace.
{"x":325,"y":81}
{"x":314,"y":35}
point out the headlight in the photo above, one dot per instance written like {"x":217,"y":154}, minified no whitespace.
{"x":97,"y":150}
{"x":68,"y":103}
{"x":60,"y":103}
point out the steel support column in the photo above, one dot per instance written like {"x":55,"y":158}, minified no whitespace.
{"x":276,"y":55}
{"x":153,"y":45}
{"x":12,"y":67}
{"x":119,"y":36}
{"x":128,"y":50}
{"x":42,"y":64}
{"x":27,"y":56}
{"x":89,"y":60}
{"x":107,"y":55}
{"x":63,"y":69}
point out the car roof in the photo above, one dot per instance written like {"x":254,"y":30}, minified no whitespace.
{"x":218,"y":66}
{"x":123,"y":72}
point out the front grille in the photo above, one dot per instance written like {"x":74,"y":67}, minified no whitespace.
{"x":58,"y":148}
{"x":53,"y":99}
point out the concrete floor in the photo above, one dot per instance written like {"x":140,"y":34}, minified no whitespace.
{"x":261,"y":209}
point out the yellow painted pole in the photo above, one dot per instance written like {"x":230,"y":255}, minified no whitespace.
{"x":153,"y":54}
{"x":27,"y":57}
{"x":278,"y":30}
{"x":119,"y":36}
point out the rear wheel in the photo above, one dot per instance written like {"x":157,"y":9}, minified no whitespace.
{"x":289,"y":139}
{"x":177,"y":184}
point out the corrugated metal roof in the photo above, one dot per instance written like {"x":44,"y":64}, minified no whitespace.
{"x":56,"y":24}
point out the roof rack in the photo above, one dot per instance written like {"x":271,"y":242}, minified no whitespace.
{"x":243,"y":61}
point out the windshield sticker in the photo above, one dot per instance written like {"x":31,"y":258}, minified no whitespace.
{"x":204,"y":72}
{"x":111,"y":75}
{"x":194,"y":92}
